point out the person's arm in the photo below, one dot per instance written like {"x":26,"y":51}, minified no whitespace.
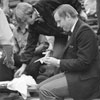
{"x":32,"y":40}
{"x":21,"y":70}
{"x":45,"y":45}
{"x":28,"y":53}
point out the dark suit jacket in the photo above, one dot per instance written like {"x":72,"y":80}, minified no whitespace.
{"x":81,"y":61}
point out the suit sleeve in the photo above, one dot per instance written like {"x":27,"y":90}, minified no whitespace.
{"x":86,"y":53}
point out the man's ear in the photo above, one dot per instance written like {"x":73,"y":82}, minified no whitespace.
{"x":68,"y":15}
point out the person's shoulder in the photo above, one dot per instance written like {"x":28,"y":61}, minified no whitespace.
{"x":84,"y":27}
{"x":82,"y":23}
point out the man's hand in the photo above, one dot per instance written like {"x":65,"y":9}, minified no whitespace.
{"x":48,"y":53}
{"x":51,"y":61}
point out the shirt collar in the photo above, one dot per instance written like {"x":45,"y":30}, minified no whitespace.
{"x":72,"y":29}
{"x":36,"y":11}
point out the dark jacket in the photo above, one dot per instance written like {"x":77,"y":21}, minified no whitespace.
{"x":81,"y":61}
{"x":81,"y":52}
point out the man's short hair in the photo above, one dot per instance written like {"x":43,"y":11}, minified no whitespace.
{"x":65,"y":9}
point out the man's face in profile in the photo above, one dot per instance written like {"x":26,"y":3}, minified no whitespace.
{"x":62,"y":22}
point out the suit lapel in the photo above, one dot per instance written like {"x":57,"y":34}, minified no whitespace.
{"x":69,"y":41}
{"x":73,"y":34}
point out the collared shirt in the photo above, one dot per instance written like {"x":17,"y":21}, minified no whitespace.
{"x":72,"y":29}
{"x":36,"y":11}
{"x":21,"y":39}
{"x":6,"y":34}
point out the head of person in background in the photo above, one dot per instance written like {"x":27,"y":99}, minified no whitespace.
{"x":25,"y":14}
{"x":65,"y":17}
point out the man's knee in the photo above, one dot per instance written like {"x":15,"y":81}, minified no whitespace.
{"x":44,"y":91}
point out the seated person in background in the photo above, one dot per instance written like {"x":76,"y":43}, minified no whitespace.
{"x":20,"y":38}
{"x":44,"y":45}
{"x":6,"y":44}
{"x":80,"y":64}
{"x":40,"y":21}
{"x":90,"y":7}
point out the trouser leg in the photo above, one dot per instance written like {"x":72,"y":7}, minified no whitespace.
{"x":54,"y":88}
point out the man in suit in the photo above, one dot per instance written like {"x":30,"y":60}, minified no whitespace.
{"x":79,"y":65}
{"x":40,"y":20}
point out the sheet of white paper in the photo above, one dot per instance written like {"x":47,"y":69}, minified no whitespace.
{"x":21,"y":85}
